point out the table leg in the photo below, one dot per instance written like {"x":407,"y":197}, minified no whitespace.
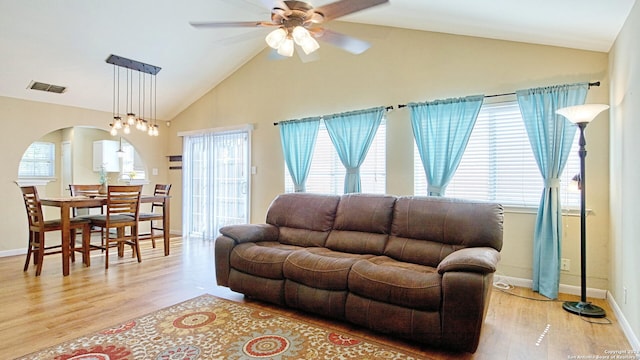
{"x":166,"y":229}
{"x":66,"y":240}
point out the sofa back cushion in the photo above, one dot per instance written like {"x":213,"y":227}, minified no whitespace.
{"x":363,"y":224}
{"x":303,"y":219}
{"x":427,"y":229}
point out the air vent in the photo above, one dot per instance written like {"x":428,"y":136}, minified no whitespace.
{"x":35,"y":85}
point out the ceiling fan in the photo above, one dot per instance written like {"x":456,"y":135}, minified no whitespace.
{"x":299,"y":23}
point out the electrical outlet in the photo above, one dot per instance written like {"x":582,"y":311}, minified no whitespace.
{"x":565,"y":264}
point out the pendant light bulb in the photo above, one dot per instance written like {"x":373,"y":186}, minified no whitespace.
{"x":131,"y":118}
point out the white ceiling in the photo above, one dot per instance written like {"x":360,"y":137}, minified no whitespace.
{"x":66,"y":42}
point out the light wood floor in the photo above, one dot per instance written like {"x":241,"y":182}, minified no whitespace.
{"x":40,"y":312}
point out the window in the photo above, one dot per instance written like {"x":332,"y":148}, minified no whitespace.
{"x":498,"y":164}
{"x":129,"y":169}
{"x":38,"y":161}
{"x":327,"y":172}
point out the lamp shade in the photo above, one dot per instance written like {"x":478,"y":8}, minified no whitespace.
{"x":275,"y":38}
{"x":582,"y":113}
{"x":286,"y":48}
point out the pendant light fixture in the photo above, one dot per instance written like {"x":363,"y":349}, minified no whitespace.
{"x":130,"y":120}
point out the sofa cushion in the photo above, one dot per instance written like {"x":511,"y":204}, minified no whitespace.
{"x":362,"y":224}
{"x":427,"y":229}
{"x":264,"y":259}
{"x":387,"y":280}
{"x":304,"y":219}
{"x":320,"y":267}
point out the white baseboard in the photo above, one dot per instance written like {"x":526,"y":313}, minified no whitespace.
{"x":13,"y":252}
{"x":565,"y":289}
{"x":624,"y":324}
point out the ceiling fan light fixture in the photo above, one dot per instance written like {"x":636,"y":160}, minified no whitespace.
{"x":303,"y":38}
{"x":309,"y":45}
{"x":299,"y":34}
{"x":275,"y":38}
{"x":286,"y":48}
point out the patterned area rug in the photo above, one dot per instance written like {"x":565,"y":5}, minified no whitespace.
{"x":208,"y":327}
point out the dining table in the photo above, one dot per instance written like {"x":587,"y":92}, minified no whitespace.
{"x":66,"y":203}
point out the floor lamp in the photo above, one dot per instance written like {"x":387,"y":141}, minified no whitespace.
{"x":582,"y":115}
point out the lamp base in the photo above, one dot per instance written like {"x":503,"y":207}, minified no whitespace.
{"x":584,"y":309}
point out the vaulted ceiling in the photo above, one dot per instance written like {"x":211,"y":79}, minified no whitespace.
{"x":66,"y":42}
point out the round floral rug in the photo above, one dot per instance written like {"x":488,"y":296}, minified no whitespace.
{"x":208,"y":327}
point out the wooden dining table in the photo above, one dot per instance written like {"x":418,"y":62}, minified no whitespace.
{"x":66,"y":203}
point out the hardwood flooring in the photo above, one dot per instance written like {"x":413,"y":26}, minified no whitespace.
{"x":37,"y":312}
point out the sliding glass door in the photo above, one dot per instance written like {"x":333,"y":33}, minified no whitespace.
{"x":216,"y":181}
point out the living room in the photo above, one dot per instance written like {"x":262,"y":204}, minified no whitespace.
{"x":431,"y":66}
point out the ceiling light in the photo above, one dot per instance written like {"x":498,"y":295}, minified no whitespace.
{"x":303,"y":38}
{"x":131,"y":120}
{"x":275,"y":38}
{"x":286,"y":48}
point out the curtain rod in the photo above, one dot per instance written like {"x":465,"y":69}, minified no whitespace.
{"x":597,"y":83}
{"x":387,"y":108}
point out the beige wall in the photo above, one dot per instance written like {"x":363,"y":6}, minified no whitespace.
{"x":625,"y":172}
{"x":27,"y":121}
{"x":404,"y":66}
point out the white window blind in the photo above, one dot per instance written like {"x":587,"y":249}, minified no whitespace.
{"x":498,"y":164}
{"x":327,"y":172}
{"x":38,"y":161}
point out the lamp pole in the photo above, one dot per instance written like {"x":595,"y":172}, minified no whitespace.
{"x":583,"y":307}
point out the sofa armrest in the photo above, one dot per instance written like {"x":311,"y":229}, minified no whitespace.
{"x":476,"y":259}
{"x":250,"y":232}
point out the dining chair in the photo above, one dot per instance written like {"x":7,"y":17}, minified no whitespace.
{"x":38,"y":226}
{"x":122,"y":212}
{"x":162,"y":190}
{"x":89,"y":190}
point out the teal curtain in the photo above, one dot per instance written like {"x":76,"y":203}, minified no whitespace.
{"x":351,"y":134}
{"x":441,"y":130}
{"x":551,"y":137}
{"x":298,"y":138}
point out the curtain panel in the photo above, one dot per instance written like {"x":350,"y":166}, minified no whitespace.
{"x":351,"y":134}
{"x":298,"y":138}
{"x":441,"y":130}
{"x":551,"y":136}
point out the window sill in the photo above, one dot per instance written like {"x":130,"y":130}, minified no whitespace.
{"x":34,"y":181}
{"x":534,"y":210}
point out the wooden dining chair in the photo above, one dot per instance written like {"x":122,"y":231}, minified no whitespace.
{"x":122,"y":212}
{"x":38,"y":227}
{"x":154,"y":215}
{"x":89,"y":190}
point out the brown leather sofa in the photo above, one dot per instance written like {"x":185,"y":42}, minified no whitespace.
{"x":415,"y":267}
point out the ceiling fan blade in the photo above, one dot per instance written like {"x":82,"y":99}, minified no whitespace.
{"x":345,"y":42}
{"x":306,"y":58}
{"x":345,"y":7}
{"x":227,"y":24}
{"x":273,"y":4}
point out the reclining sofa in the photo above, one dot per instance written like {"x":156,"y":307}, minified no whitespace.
{"x":420,"y":268}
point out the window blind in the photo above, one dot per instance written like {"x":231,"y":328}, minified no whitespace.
{"x":499,"y":165}
{"x":327,"y":172}
{"x":38,"y":161}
